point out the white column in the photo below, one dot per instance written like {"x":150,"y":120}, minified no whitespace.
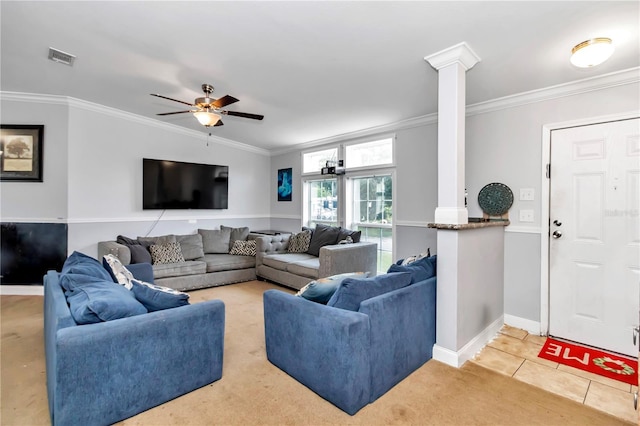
{"x":452,"y":64}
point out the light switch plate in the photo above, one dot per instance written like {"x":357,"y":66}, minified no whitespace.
{"x":527,"y":194}
{"x":526,"y":215}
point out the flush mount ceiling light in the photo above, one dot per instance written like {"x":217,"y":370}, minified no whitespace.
{"x":591,"y":52}
{"x":207,"y":118}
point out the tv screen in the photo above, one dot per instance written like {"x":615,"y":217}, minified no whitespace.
{"x":178,"y":185}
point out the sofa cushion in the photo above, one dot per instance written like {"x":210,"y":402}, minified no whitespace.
{"x":344,"y":233}
{"x":166,"y":253}
{"x":147,"y":242}
{"x":322,"y":289}
{"x":80,"y":263}
{"x":322,"y":236}
{"x":189,"y":267}
{"x":228,"y":262}
{"x":420,"y":270}
{"x":191,"y":246}
{"x":282,"y":261}
{"x":118,"y":272}
{"x":243,"y":248}
{"x":215,"y":241}
{"x":237,"y":234}
{"x":157,"y":298}
{"x":353,"y":291}
{"x":139,"y":253}
{"x":306,"y":268}
{"x":299,"y":243}
{"x":102,"y":301}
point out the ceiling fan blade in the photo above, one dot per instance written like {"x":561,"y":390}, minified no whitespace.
{"x":171,"y":99}
{"x":243,"y":114}
{"x":176,"y":112}
{"x":224,"y":101}
{"x":219,"y":123}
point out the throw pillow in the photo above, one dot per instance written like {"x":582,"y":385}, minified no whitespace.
{"x":420,"y":270}
{"x":299,"y":243}
{"x":80,"y":263}
{"x":191,"y":246}
{"x":118,"y":272}
{"x":102,"y":301}
{"x":412,"y":259}
{"x":322,"y":289}
{"x":244,"y":248}
{"x":147,"y":242}
{"x":237,"y":234}
{"x":322,"y":236}
{"x":347,"y":240}
{"x":166,"y":253}
{"x":344,"y":233}
{"x":353,"y":291}
{"x":139,"y":253}
{"x":156,"y":298}
{"x":215,"y":241}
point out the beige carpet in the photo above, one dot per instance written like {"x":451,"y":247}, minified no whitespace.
{"x":254,"y":392}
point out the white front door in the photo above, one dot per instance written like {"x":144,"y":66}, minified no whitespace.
{"x":594,"y":247}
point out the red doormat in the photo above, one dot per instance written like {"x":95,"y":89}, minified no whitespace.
{"x":616,"y":367}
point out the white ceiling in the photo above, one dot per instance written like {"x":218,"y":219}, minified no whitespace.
{"x":313,"y":69}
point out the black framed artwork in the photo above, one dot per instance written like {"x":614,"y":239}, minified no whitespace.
{"x":21,"y":152}
{"x":284,"y":184}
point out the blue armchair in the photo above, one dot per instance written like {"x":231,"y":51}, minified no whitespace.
{"x":351,"y":358}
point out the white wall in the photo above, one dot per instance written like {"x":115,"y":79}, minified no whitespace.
{"x":93,"y":175}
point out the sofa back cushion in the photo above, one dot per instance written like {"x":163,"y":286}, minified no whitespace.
{"x":100,"y":300}
{"x":420,"y":270}
{"x":322,"y":289}
{"x":353,"y":291}
{"x":191,"y":246}
{"x":215,"y":241}
{"x":80,"y":263}
{"x":237,"y":234}
{"x":322,"y":236}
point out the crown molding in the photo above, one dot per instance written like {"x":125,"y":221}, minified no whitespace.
{"x":71,"y":102}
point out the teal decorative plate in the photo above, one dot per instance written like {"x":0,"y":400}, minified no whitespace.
{"x":495,"y":199}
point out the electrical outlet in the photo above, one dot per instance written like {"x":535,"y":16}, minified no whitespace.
{"x":192,"y":221}
{"x":527,"y":194}
{"x":526,"y":215}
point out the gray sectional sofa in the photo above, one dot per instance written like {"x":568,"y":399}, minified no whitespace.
{"x":295,"y":270}
{"x":207,"y":262}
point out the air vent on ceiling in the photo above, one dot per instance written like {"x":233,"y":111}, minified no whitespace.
{"x":60,"y":56}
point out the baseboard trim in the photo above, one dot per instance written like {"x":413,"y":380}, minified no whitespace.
{"x":21,"y":290}
{"x":468,"y":351}
{"x":533,"y":327}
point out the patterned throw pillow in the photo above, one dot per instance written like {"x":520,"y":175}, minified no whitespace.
{"x":244,"y":248}
{"x":166,"y":253}
{"x":117,"y":270}
{"x":299,"y":243}
{"x":409,"y":260}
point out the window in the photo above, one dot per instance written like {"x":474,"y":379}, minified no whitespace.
{"x":314,"y":161}
{"x":369,"y":154}
{"x":322,"y":202}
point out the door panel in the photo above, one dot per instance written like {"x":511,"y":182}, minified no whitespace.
{"x":594,"y":247}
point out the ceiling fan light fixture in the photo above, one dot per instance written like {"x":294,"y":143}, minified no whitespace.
{"x":592,"y":52}
{"x":207,"y":118}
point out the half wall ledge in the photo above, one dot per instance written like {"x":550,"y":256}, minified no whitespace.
{"x":474,"y":223}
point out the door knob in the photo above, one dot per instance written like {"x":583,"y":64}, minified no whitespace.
{"x":557,"y":222}
{"x":635,"y":401}
{"x":556,"y":234}
{"x":636,"y":330}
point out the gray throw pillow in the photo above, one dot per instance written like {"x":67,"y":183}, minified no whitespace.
{"x":139,"y":253}
{"x":237,"y":234}
{"x":344,"y":233}
{"x":191,"y":246}
{"x":322,"y":236}
{"x":215,"y":241}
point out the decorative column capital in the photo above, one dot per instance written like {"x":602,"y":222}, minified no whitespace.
{"x":461,"y":53}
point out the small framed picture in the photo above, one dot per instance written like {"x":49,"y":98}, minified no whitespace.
{"x":284,"y":184}
{"x":21,"y":152}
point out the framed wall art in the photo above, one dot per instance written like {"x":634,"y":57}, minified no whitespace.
{"x":284,"y":184}
{"x":21,"y":152}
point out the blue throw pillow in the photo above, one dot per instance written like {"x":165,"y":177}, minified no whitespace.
{"x":79,"y":263}
{"x":353,"y":291}
{"x":157,"y":298}
{"x":420,"y":270}
{"x":322,"y":289}
{"x":100,"y":300}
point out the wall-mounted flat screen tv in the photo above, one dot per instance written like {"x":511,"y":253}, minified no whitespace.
{"x":178,"y":185}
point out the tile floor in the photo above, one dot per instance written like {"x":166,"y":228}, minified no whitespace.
{"x":514,"y":352}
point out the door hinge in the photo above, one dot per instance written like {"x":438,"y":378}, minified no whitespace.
{"x":548,"y":171}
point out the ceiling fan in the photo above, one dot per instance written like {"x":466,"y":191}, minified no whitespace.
{"x":208,"y":110}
